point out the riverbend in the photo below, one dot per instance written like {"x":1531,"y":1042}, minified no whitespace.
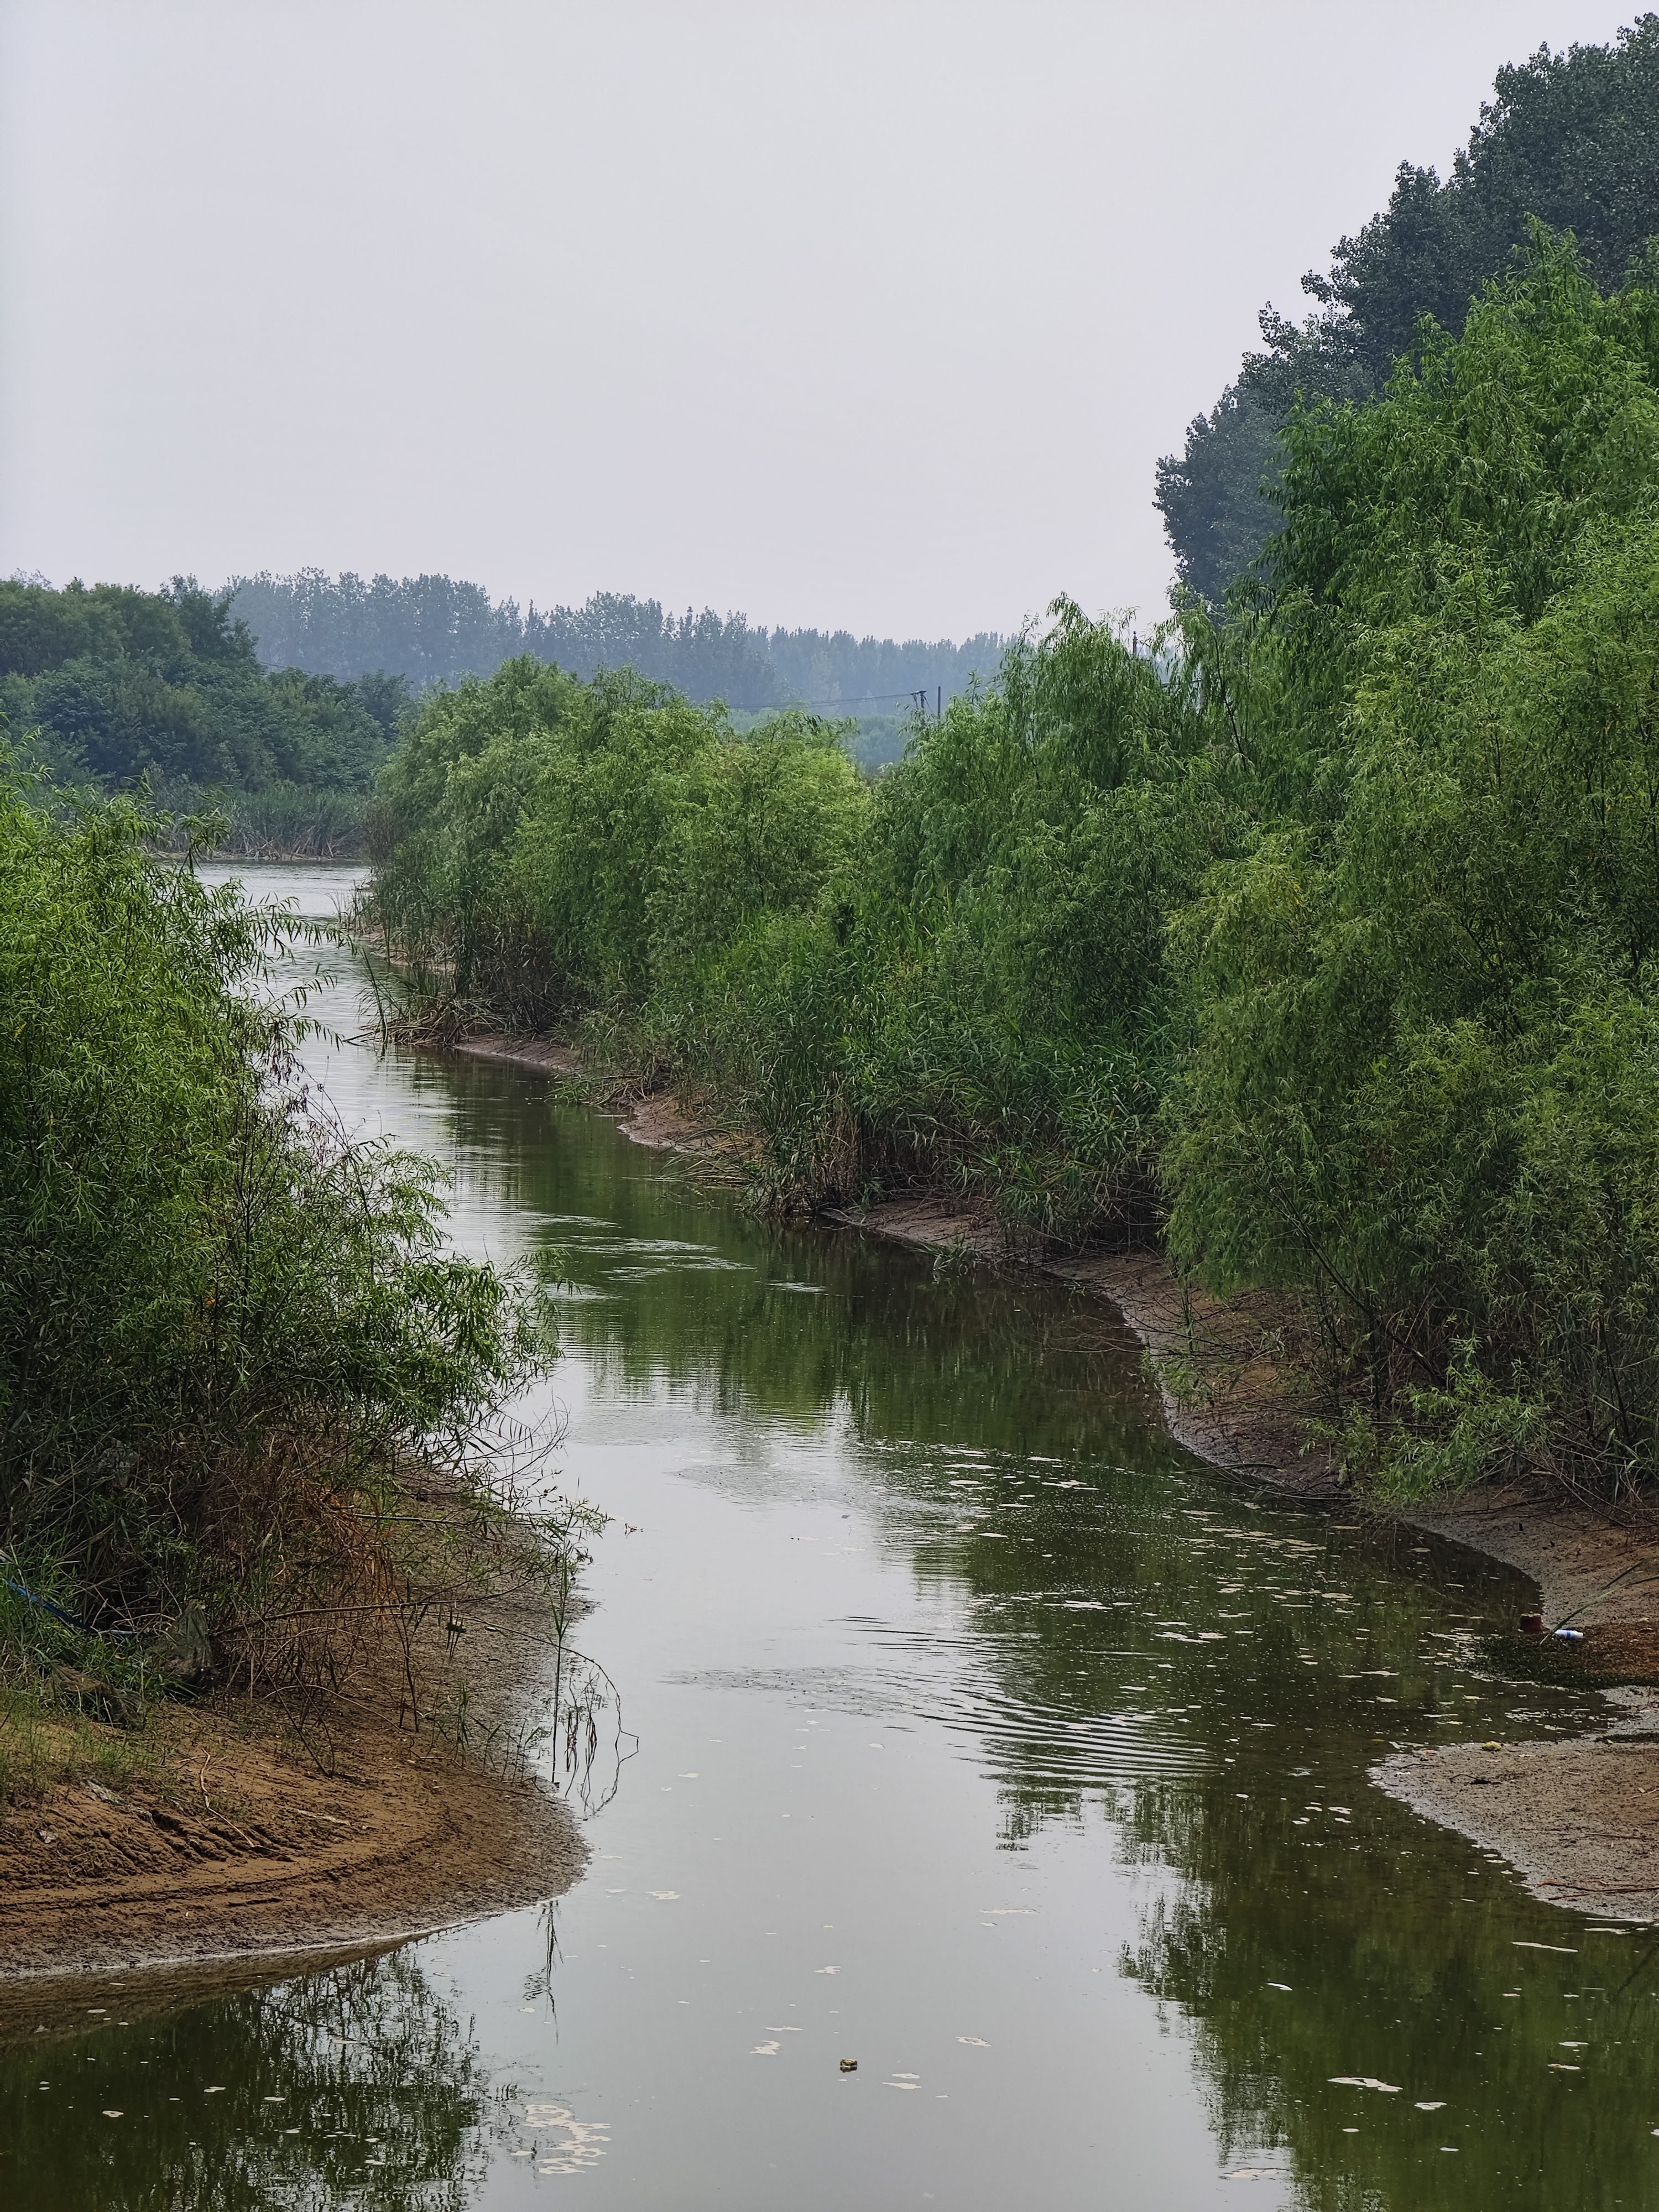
{"x":983,"y":1818}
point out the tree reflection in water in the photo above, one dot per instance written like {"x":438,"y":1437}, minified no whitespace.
{"x":355,"y":2084}
{"x":1191,"y":1677}
{"x":1302,"y":1926}
{"x":1200,"y":1670}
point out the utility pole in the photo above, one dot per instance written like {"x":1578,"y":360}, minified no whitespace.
{"x":939,"y":709}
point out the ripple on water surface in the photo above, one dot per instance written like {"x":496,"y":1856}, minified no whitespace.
{"x":972,"y":1733}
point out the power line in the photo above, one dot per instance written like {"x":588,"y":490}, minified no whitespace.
{"x":844,"y":699}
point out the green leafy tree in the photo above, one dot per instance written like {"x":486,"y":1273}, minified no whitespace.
{"x":113,"y":685}
{"x":761,"y":828}
{"x":224,"y":1327}
{"x":1319,"y":940}
{"x":1569,"y":139}
{"x":1424,"y":1061}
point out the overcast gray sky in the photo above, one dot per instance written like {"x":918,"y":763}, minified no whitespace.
{"x":838,"y":314}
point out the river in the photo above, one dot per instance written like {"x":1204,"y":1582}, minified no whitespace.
{"x":1012,"y":1754}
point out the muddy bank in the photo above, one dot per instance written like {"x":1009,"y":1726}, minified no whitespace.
{"x":653,"y":1118}
{"x":1242,"y":1411}
{"x":1246,"y":1413}
{"x":545,"y":1052}
{"x":228,"y":1828}
{"x":1579,"y":1821}
{"x":256,"y":1851}
{"x":1237,"y":1405}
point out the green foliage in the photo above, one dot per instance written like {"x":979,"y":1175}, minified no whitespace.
{"x":1004,"y":1028}
{"x":113,"y":685}
{"x":224,"y":1324}
{"x":758,"y":827}
{"x":1324,"y":937}
{"x":551,"y":846}
{"x":959,"y":975}
{"x":1567,"y":139}
{"x":1423,"y":1069}
{"x":1216,"y":496}
{"x":280,"y":820}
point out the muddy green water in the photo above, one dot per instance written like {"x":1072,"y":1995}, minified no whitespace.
{"x":983,"y":1736}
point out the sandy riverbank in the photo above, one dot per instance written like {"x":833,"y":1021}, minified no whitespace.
{"x":1579,"y":1821}
{"x":223,"y":1830}
{"x":234,"y":1846}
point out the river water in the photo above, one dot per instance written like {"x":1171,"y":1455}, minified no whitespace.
{"x":1009,"y":1752}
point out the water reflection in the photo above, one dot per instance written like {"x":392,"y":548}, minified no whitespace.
{"x":951,"y":1675}
{"x":357,"y":2084}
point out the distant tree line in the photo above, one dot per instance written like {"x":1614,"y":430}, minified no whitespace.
{"x":433,"y":629}
{"x":1571,"y":139}
{"x":277,"y":699}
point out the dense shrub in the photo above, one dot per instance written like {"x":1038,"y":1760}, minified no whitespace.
{"x":551,"y":846}
{"x":226,"y":1329}
{"x":1321,"y":941}
{"x":1421,"y":1083}
{"x":113,"y":687}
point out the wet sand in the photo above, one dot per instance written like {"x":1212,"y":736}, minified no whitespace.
{"x":1579,"y":1821}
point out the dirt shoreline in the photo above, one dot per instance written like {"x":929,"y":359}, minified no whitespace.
{"x":269,"y":1859}
{"x":1248,"y":1421}
{"x":219,"y":1837}
{"x":1576,"y":1820}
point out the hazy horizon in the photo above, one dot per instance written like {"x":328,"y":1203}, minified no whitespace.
{"x":873,"y":318}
